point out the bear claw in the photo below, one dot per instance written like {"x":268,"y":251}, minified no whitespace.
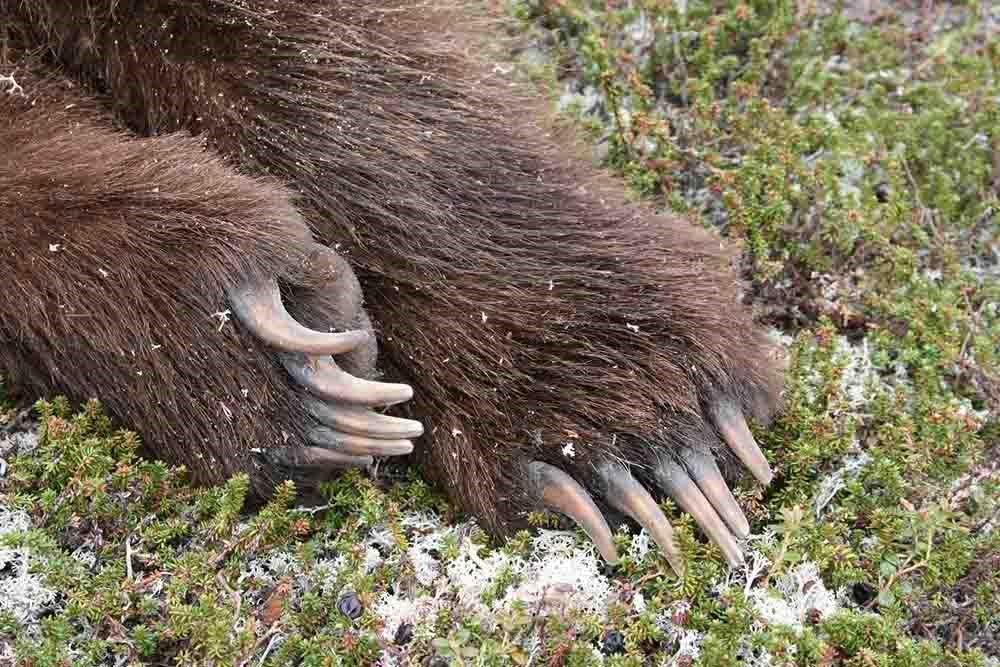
{"x":350,"y":433}
{"x":733,"y":427}
{"x":320,"y":457}
{"x":691,"y":478}
{"x":325,"y":379}
{"x":628,"y":496}
{"x":258,"y":306}
{"x":677,"y":484}
{"x":358,"y":445}
{"x":560,"y":492}
{"x":362,"y":421}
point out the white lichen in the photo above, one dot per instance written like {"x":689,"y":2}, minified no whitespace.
{"x":13,"y":521}
{"x":23,"y":594}
{"x":22,"y":442}
{"x":688,"y":642}
{"x":394,"y":610}
{"x":794,"y":597}
{"x":559,"y":570}
{"x":849,"y":469}
{"x":639,"y":546}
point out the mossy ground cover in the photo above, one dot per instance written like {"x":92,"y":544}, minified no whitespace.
{"x":853,"y":152}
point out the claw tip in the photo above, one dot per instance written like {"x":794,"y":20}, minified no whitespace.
{"x":560,"y":492}
{"x":734,"y":430}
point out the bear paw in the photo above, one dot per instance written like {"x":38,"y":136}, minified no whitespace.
{"x":689,"y":475}
{"x":349,"y":432}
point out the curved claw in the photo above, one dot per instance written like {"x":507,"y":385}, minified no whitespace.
{"x":323,"y":378}
{"x":626,"y":495}
{"x":706,"y":474}
{"x":733,"y":427}
{"x":319,"y":457}
{"x":678,"y":485}
{"x":360,"y":421}
{"x":258,"y":306}
{"x":562,"y":493}
{"x":358,"y":445}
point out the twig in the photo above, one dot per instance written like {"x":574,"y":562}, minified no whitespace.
{"x":267,"y":650}
{"x":270,"y":637}
{"x":128,"y":559}
{"x":898,"y":574}
{"x":925,"y":213}
{"x":312,"y":511}
{"x":646,"y":577}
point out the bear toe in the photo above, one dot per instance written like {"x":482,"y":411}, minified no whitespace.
{"x":687,"y":474}
{"x":349,"y":433}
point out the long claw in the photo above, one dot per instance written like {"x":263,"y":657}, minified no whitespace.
{"x":358,"y":445}
{"x":323,"y":378}
{"x":562,"y":493}
{"x":320,"y":457}
{"x":626,"y":495}
{"x":705,"y":473}
{"x":360,"y":421}
{"x":258,"y":306}
{"x":733,"y":427}
{"x":679,"y":486}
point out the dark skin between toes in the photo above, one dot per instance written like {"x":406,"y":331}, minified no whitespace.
{"x":252,"y":228}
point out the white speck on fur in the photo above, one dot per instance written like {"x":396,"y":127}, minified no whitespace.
{"x":15,"y":87}
{"x":569,"y":451}
{"x":222,"y":316}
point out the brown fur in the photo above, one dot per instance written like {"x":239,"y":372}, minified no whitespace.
{"x":505,"y":280}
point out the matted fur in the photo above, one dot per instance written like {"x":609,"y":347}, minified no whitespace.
{"x":526,"y":302}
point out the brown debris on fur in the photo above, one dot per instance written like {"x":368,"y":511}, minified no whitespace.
{"x":526,"y":302}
